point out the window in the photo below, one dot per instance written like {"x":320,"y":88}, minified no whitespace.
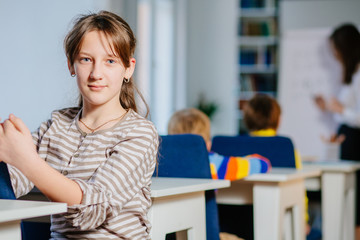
{"x":161,"y":57}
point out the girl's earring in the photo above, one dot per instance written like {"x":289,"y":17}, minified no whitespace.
{"x":126,"y":80}
{"x":73,"y":74}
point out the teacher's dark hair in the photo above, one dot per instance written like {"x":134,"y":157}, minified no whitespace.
{"x":346,"y":40}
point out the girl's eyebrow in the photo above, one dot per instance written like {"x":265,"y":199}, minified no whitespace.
{"x":84,"y":53}
{"x":108,"y":55}
{"x":112,"y":55}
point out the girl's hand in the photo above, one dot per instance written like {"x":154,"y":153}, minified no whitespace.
{"x":16,"y":144}
{"x":335,"y":106}
{"x":17,"y":148}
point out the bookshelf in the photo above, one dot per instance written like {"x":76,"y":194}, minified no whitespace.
{"x":257,"y":48}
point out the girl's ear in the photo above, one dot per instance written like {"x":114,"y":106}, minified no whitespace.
{"x":71,"y":68}
{"x":130,"y":70}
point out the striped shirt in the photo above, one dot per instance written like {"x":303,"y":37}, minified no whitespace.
{"x":113,"y":168}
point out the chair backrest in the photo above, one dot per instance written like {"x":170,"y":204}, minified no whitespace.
{"x":278,"y":149}
{"x":6,"y":190}
{"x":186,"y":156}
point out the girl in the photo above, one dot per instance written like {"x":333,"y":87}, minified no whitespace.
{"x":98,"y":157}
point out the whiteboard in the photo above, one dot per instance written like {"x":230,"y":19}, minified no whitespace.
{"x":307,"y":69}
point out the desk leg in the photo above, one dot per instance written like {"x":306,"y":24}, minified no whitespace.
{"x":338,"y":206}
{"x":271,"y":202}
{"x":178,"y":213}
{"x":10,"y":230}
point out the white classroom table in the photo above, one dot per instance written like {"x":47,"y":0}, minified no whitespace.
{"x":274,"y":196}
{"x":179,"y":206}
{"x":13,"y":211}
{"x":338,"y":191}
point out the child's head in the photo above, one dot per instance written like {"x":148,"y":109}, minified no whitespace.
{"x":262,"y":112}
{"x":345,"y":41}
{"x":191,"y":121}
{"x":119,"y":38}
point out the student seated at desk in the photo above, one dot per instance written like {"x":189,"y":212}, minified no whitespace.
{"x":99,"y":157}
{"x":194,"y":121}
{"x":262,"y":118}
{"x":222,"y":167}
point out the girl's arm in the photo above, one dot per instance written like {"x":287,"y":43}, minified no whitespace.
{"x":17,"y":149}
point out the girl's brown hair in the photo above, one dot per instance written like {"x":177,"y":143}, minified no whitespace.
{"x":121,"y":41}
{"x":262,"y":112}
{"x":346,"y":40}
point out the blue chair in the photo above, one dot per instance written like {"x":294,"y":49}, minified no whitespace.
{"x":6,"y":191}
{"x":29,"y":230}
{"x":186,"y":156}
{"x":278,"y":149}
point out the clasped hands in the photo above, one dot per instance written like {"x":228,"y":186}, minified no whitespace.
{"x":16,"y":143}
{"x":333,"y":105}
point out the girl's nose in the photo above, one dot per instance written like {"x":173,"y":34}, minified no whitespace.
{"x":96,"y":72}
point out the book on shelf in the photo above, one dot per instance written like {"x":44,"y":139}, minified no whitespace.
{"x":266,"y":27}
{"x":248,"y":57}
{"x":252,"y":3}
{"x":252,"y":83}
{"x":254,"y":56}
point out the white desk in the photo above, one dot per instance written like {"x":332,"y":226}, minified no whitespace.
{"x":273,"y":195}
{"x":179,"y":205}
{"x":13,"y":211}
{"x":338,"y":191}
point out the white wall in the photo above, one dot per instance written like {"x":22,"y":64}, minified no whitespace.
{"x":34,"y":79}
{"x":211,"y":59}
{"x":300,"y":14}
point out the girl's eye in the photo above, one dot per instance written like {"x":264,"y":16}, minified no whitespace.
{"x":111,"y":61}
{"x":85,"y":59}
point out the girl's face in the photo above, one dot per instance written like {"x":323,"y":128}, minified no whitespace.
{"x":99,"y":72}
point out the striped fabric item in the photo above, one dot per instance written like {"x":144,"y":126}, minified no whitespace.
{"x":233,"y":168}
{"x":113,"y":168}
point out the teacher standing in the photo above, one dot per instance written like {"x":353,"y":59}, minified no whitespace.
{"x":345,"y":107}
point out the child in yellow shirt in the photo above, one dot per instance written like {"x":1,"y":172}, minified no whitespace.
{"x":262,"y":118}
